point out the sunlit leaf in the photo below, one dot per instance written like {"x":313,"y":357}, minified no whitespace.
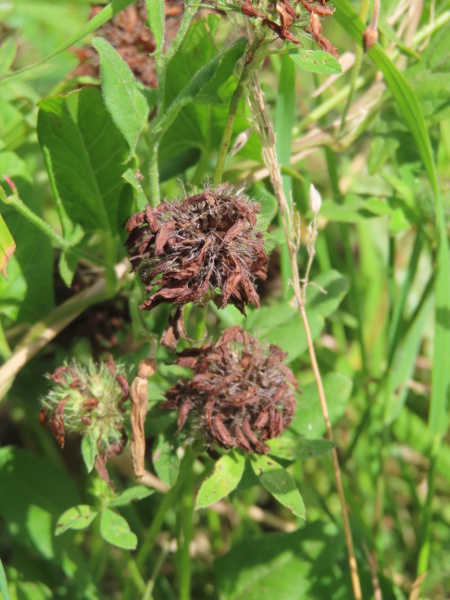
{"x":77,"y":517}
{"x":279,"y":483}
{"x":224,"y":479}
{"x":116,"y":531}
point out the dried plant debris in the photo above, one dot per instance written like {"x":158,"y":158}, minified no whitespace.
{"x":205,"y":247}
{"x":132,"y":39}
{"x":240,"y":396}
{"x":88,"y":400}
{"x":282,"y":15}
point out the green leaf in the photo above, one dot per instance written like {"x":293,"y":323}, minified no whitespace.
{"x":28,"y":294}
{"x":165,"y":459}
{"x":404,"y":363}
{"x":156,"y":19}
{"x":306,"y":564}
{"x":78,"y":517}
{"x":125,"y":103}
{"x":206,"y":75}
{"x":7,"y":247}
{"x":335,"y":286}
{"x":109,"y":11}
{"x":316,"y":61}
{"x":131,"y":177}
{"x":86,"y":153}
{"x":115,"y":530}
{"x":89,"y":451}
{"x":296,"y":447}
{"x":199,"y":126}
{"x":34,"y":494}
{"x":8,"y":51}
{"x":308,"y":419}
{"x":137,"y":492}
{"x":3,"y":582}
{"x":279,"y":483}
{"x":281,"y":324}
{"x":225,"y":477}
{"x":67,"y":266}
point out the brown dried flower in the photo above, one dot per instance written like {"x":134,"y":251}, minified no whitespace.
{"x":132,"y":39}
{"x":240,"y":395}
{"x":281,"y":15}
{"x":203,"y":247}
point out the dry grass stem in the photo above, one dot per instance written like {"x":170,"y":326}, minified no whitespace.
{"x":267,"y":134}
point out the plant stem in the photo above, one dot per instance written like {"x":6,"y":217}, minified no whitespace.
{"x":189,"y":12}
{"x":252,"y":61}
{"x":184,"y":565}
{"x":153,"y":147}
{"x":266,"y":132}
{"x":45,"y":330}
{"x":59,"y":241}
{"x":168,"y":501}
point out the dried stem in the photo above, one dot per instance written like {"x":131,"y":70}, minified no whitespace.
{"x":139,"y":406}
{"x":267,"y":135}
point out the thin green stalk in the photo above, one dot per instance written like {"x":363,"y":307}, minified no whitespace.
{"x":349,"y":258}
{"x":399,"y":307}
{"x":189,"y":12}
{"x":284,"y":122}
{"x":363,"y":10}
{"x":148,"y":594}
{"x":255,"y":55}
{"x":184,"y":564}
{"x":135,"y":574}
{"x":59,"y":241}
{"x":425,"y":541}
{"x":202,"y":164}
{"x":153,"y":141}
{"x":5,"y":350}
{"x":153,"y":146}
{"x":169,"y":500}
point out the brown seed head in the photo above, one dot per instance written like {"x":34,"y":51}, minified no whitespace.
{"x":204,"y":247}
{"x":282,"y":15}
{"x":240,"y":395}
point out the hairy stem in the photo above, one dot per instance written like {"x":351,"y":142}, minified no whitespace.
{"x":253,"y":59}
{"x":267,"y":135}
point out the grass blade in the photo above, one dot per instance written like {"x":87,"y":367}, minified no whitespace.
{"x":412,"y":113}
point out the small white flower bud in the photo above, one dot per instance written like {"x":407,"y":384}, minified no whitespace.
{"x":240,"y":141}
{"x":315,"y":200}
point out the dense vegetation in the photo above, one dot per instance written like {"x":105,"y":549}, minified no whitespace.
{"x":225,"y":296}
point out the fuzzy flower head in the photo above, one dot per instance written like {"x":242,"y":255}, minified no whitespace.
{"x":240,"y":395}
{"x":88,"y":400}
{"x":201,"y":248}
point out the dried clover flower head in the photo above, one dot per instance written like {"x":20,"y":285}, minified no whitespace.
{"x":128,"y":33}
{"x":88,"y":401}
{"x":240,"y":395}
{"x":281,"y":15}
{"x":205,"y":246}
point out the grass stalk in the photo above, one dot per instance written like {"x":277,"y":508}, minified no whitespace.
{"x":184,"y":541}
{"x":266,"y":132}
{"x":255,"y":55}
